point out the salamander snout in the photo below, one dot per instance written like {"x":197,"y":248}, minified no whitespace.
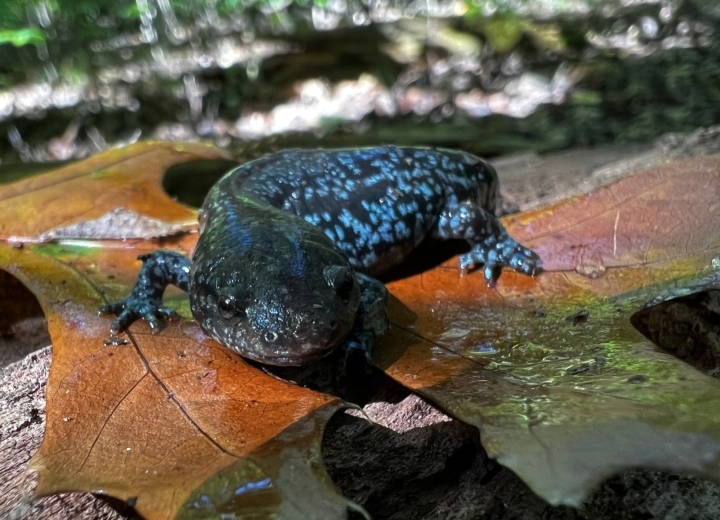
{"x":283,"y":319}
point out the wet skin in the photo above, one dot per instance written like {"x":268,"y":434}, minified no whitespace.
{"x":282,"y":270}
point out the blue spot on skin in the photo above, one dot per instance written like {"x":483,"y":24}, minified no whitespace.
{"x":340,"y":232}
{"x":401,"y":230}
{"x":346,"y":218}
{"x":385,"y":232}
{"x":426,"y":190}
{"x":312,"y":219}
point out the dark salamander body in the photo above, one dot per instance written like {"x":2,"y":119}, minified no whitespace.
{"x":277,"y":274}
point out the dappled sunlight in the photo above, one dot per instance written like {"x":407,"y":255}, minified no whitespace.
{"x":110,"y":77}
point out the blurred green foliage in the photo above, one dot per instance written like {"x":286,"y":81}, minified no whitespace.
{"x":21,"y":21}
{"x":633,"y":99}
{"x":14,"y":14}
{"x":618,"y":97}
{"x":24,"y":36}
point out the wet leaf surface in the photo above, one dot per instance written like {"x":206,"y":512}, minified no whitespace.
{"x":174,"y":424}
{"x":564,"y":390}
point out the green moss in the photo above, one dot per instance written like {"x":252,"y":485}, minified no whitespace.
{"x":64,"y":250}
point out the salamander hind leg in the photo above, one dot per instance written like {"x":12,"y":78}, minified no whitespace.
{"x":159,"y":269}
{"x":490,"y":243}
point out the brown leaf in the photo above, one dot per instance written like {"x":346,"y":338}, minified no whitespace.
{"x":173,"y":423}
{"x":163,"y":420}
{"x":116,"y":194}
{"x":563,"y":388}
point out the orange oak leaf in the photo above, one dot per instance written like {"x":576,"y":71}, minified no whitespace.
{"x":564,"y":389}
{"x":174,"y":423}
{"x":115,"y":194}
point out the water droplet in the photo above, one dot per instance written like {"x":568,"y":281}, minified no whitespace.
{"x":716,"y":262}
{"x":482,"y":349}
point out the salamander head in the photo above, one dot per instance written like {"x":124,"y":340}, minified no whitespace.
{"x":276,"y":316}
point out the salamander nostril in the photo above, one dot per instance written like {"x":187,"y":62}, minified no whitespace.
{"x":333,"y":324}
{"x":271,"y":336}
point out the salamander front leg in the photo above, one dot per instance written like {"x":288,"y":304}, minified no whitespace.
{"x":490,"y":243}
{"x":159,"y":269}
{"x":372,"y":319}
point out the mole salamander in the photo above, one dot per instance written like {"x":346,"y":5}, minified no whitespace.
{"x":282,"y":270}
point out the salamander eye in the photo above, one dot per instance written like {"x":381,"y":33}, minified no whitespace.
{"x":226,"y":306}
{"x":230,"y":303}
{"x":341,"y":279}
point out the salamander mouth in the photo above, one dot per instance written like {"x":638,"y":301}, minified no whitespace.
{"x":287,"y":361}
{"x":282,"y":351}
{"x":293,"y":357}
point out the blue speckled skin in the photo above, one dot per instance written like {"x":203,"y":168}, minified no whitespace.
{"x":277,"y":274}
{"x":378,"y":204}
